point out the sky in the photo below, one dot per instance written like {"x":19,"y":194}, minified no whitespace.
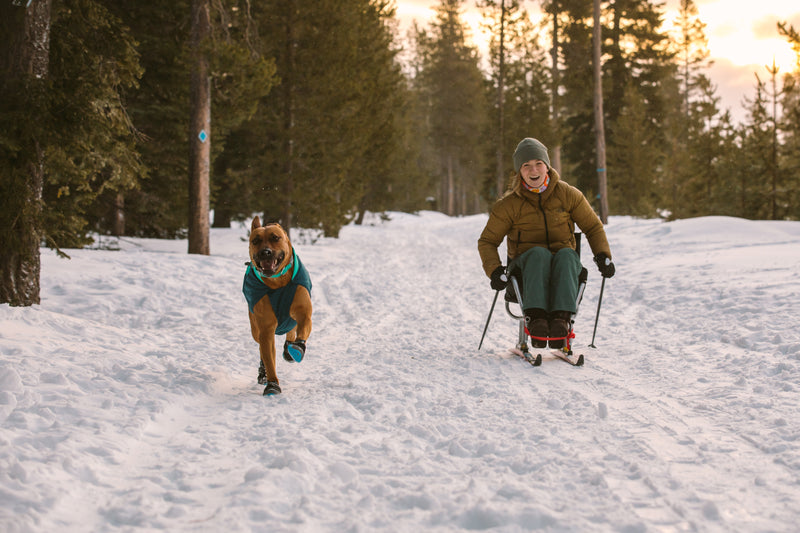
{"x":742,"y":38}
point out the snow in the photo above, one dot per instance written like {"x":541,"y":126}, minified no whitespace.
{"x":128,"y":398}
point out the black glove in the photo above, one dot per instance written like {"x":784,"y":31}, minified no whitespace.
{"x":604,"y":265}
{"x":499,"y":278}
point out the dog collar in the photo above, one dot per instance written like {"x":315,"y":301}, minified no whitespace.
{"x":285,"y":269}
{"x":279,"y":274}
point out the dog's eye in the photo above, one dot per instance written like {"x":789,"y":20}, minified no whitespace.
{"x":274,"y":237}
{"x":256,"y":241}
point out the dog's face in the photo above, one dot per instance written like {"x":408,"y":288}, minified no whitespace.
{"x":270,"y":249}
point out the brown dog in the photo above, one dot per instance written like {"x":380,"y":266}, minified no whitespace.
{"x":278,"y":292}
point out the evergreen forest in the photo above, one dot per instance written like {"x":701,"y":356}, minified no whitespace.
{"x":159,"y":119}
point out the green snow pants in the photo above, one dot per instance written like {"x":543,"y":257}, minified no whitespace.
{"x":549,"y":281}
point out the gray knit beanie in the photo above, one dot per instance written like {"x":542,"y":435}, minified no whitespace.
{"x":527,"y":149}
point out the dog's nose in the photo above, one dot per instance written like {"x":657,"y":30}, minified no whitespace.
{"x":264,"y":254}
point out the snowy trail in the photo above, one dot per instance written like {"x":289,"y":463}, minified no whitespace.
{"x":128,"y":398}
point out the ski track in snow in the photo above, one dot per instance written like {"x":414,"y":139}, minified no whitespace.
{"x":128,"y":399}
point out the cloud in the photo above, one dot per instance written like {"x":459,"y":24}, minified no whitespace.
{"x":735,"y":83}
{"x":793,"y":19}
{"x":420,"y":11}
{"x":767,"y":27}
{"x":725,"y":30}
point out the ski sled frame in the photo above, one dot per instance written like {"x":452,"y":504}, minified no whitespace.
{"x":514,"y":296}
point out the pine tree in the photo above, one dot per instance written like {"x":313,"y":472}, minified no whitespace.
{"x":706,"y":191}
{"x":640,"y":72}
{"x":159,"y":106}
{"x":695,"y":134}
{"x":789,"y":150}
{"x":382,"y":168}
{"x":499,"y":45}
{"x":729,"y":172}
{"x":97,"y":156}
{"x":453,"y":88}
{"x":636,"y":157}
{"x":772,"y":139}
{"x":325,"y":144}
{"x":790,"y":126}
{"x":243,"y":75}
{"x":757,"y":145}
{"x":577,"y":115}
{"x":525,"y":96}
{"x":69,"y":123}
{"x":638,"y":55}
{"x":159,"y":110}
{"x":693,"y":54}
{"x":554,"y":9}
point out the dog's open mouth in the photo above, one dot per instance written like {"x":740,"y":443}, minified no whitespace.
{"x":267,"y":262}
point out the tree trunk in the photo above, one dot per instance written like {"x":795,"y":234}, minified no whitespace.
{"x":774,"y":155}
{"x":200,"y":133}
{"x":223,"y":216}
{"x":24,"y":69}
{"x":555,"y":155}
{"x":598,"y":116}
{"x":501,"y":185}
{"x":119,"y":215}
{"x":288,"y":118}
{"x":451,"y":192}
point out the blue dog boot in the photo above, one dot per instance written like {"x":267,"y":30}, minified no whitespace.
{"x":272,"y":388}
{"x":294,"y":351}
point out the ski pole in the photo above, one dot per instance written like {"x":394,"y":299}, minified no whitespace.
{"x":597,"y":316}
{"x":494,"y":302}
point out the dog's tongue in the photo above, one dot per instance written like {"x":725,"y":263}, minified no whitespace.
{"x":269,"y":266}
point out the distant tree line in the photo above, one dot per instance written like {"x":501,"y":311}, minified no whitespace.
{"x":321,"y":111}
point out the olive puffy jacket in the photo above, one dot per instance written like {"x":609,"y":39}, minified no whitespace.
{"x":548,"y":220}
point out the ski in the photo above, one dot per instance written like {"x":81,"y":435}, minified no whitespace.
{"x":535,"y":360}
{"x":569,"y":357}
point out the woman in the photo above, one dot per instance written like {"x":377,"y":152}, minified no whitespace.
{"x":538,"y":217}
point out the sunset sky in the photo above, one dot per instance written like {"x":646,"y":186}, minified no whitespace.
{"x":742,"y":38}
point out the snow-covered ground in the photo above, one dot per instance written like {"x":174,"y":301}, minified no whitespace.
{"x":128,"y":398}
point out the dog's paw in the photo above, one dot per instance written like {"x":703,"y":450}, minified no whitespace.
{"x":272,"y":388}
{"x":294,"y":351}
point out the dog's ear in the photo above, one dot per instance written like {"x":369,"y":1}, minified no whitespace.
{"x":256,"y":224}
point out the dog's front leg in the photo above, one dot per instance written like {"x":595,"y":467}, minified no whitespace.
{"x":266,"y":347}
{"x":300,"y":311}
{"x":264,"y":323}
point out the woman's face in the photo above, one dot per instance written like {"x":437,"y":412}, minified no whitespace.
{"x":534,"y":172}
